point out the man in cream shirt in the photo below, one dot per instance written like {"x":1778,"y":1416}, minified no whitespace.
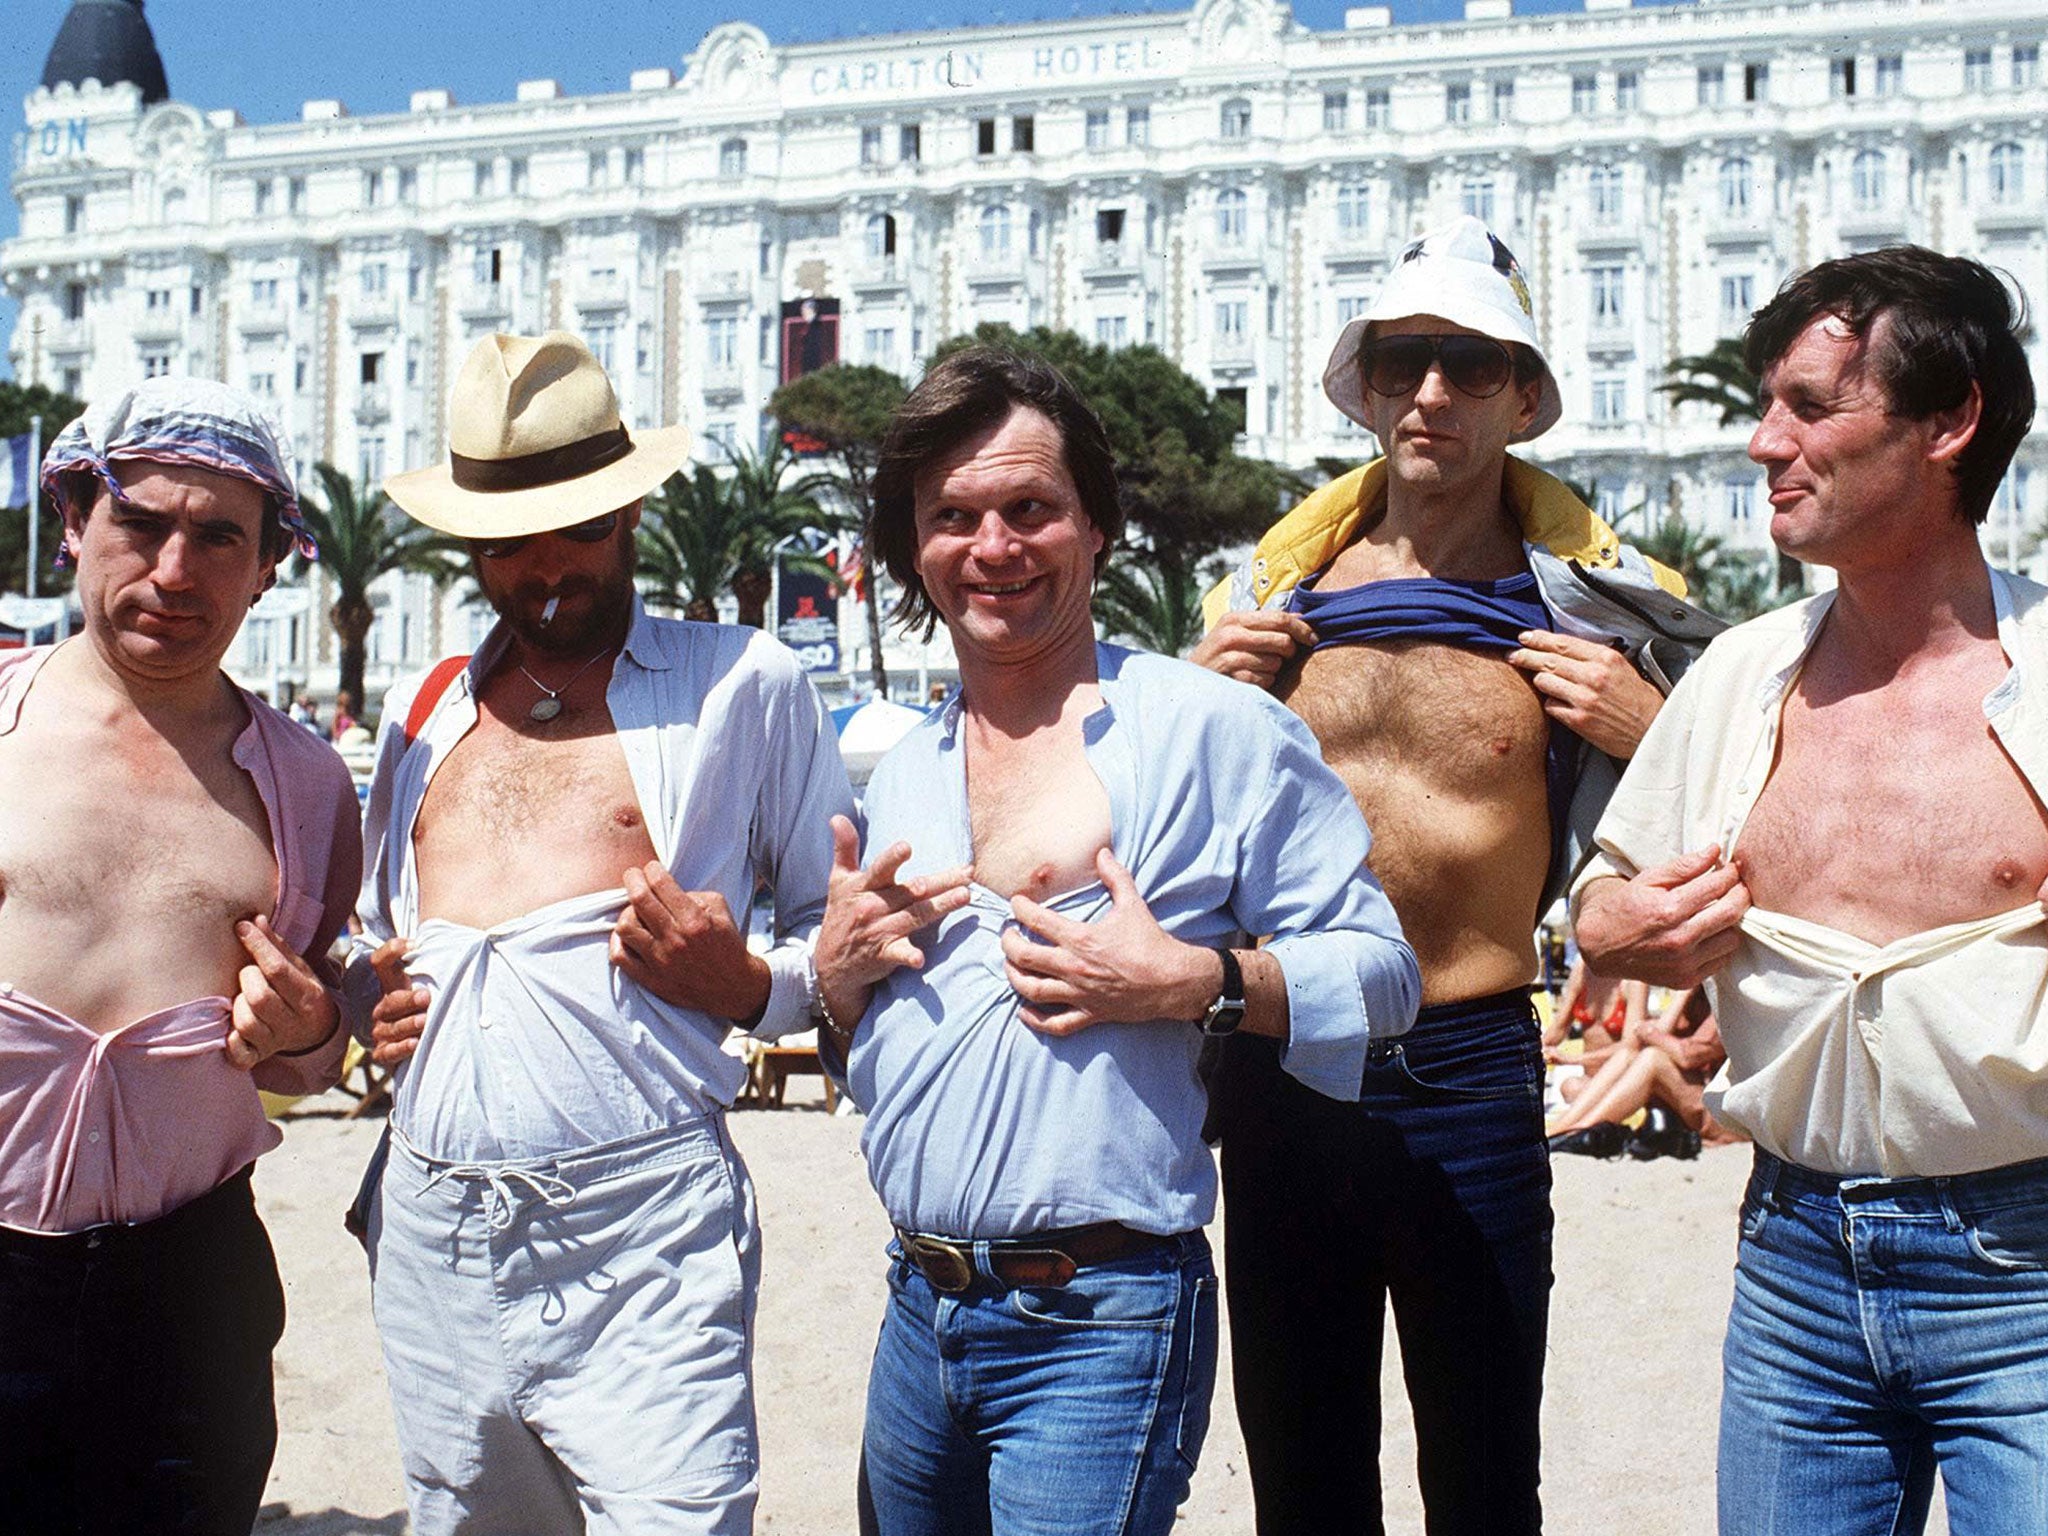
{"x":1837,"y":820}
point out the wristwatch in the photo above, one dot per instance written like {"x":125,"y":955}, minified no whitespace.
{"x":1227,"y":1012}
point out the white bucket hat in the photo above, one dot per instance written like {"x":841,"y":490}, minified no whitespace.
{"x":1461,"y":273}
{"x":535,"y":443}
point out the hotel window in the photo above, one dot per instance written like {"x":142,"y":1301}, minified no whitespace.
{"x":871,"y":145}
{"x":1230,"y":217}
{"x":74,"y":215}
{"x":1604,"y":183}
{"x":1336,"y":111}
{"x":2008,"y":180}
{"x":600,"y":173}
{"x":515,"y":171}
{"x":2026,"y":65}
{"x":1350,"y":307}
{"x":1713,"y":83}
{"x":1738,"y":299}
{"x":155,"y":365}
{"x":1457,"y":103}
{"x":732,"y":158}
{"x":1585,"y":95}
{"x":156,"y":299}
{"x":1354,"y":210}
{"x":1891,"y":75}
{"x":1628,"y":91}
{"x":1841,"y":77}
{"x":995,"y":231}
{"x":483,"y":178}
{"x":633,"y":163}
{"x":1756,"y":82}
{"x":1866,"y":178}
{"x":1230,"y":323}
{"x":489,"y":268}
{"x":1738,"y":494}
{"x":985,"y":136}
{"x":1097,"y":128}
{"x":1503,"y":100}
{"x":1475,"y":199}
{"x":1735,"y":185}
{"x":1112,"y":330}
{"x":603,"y":338}
{"x":1023,"y":133}
{"x":263,"y":292}
{"x":1609,"y":288}
{"x":1977,"y":69}
{"x":263,"y":191}
{"x":910,"y":143}
{"x":881,"y":236}
{"x":371,"y":461}
{"x":74,"y":300}
{"x":374,"y":279}
{"x":196,"y":300}
{"x":879,"y":345}
{"x":721,"y":341}
{"x":1236,"y":120}
{"x":373,"y":188}
{"x":1109,"y":227}
{"x":408,"y":185}
{"x":295,"y":194}
{"x":1379,"y":109}
{"x":1138,"y":126}
{"x":369,"y":366}
{"x":1610,"y":399}
{"x":263,"y":384}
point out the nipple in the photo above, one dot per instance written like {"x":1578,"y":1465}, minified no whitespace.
{"x":1500,"y":746}
{"x":2007,"y":873}
{"x":626,"y":816}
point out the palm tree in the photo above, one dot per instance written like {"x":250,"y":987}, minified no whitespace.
{"x":1150,"y":596}
{"x":704,"y":532}
{"x":1676,"y":543}
{"x":362,"y":539}
{"x":1719,"y":379}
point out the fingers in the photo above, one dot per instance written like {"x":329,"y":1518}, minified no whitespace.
{"x":1064,"y":1021}
{"x":1252,"y":647}
{"x":249,"y":1037}
{"x":1045,"y":922}
{"x":1123,"y":890}
{"x":283,"y":971}
{"x":1687,"y":866}
{"x":1537,"y":644}
{"x":845,"y":846}
{"x":387,"y":960}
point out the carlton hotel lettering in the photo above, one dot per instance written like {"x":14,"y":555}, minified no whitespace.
{"x":1223,"y":184}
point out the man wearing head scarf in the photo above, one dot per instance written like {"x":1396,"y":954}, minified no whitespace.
{"x":176,"y":857}
{"x":565,"y":834}
{"x":1474,"y":650}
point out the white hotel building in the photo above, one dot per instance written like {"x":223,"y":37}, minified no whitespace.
{"x":1221,"y":183}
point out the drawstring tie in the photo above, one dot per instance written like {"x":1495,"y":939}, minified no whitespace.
{"x":552,"y":1191}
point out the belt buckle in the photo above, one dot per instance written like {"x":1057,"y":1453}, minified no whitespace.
{"x":948,"y":1266}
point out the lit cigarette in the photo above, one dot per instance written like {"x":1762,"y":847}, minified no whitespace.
{"x":547,"y":614}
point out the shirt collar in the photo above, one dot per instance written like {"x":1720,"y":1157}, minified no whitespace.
{"x":1108,"y":681}
{"x":643,"y":645}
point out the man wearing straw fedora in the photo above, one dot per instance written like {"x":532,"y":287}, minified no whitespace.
{"x":1474,"y":650}
{"x":563,"y":838}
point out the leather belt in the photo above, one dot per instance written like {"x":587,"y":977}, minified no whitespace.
{"x":1042,"y":1259}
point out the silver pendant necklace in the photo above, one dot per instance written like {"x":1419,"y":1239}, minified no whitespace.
{"x":547,"y":708}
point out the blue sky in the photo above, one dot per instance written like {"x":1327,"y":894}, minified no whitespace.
{"x":266,"y":59}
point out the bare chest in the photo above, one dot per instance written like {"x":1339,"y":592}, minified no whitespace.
{"x":1455,"y":719}
{"x":517,"y":818}
{"x":1887,"y":815}
{"x":1039,"y":815}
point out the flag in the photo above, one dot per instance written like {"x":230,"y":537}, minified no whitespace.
{"x":850,"y":568}
{"x":17,"y":473}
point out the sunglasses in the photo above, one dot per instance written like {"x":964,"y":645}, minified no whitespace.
{"x":595,"y":531}
{"x":1473,"y":365}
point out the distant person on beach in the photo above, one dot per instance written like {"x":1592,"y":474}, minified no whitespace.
{"x":1068,"y":872}
{"x":565,"y":833}
{"x":1838,"y":822}
{"x":344,"y":719}
{"x":175,"y":859}
{"x":1475,"y":651}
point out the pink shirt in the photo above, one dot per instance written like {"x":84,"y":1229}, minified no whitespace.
{"x":131,"y":1124}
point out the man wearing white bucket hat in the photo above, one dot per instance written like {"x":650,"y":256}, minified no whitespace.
{"x":564,"y":836}
{"x":1474,"y":649}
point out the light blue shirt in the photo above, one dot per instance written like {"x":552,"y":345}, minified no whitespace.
{"x":1233,"y":828}
{"x":535,"y":1042}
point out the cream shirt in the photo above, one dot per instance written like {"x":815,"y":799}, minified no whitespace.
{"x":1925,"y":1056}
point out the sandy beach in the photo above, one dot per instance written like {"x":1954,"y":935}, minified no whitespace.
{"x":1643,"y":1275}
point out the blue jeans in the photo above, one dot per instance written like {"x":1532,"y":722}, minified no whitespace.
{"x":1882,"y":1328}
{"x":1434,"y":1190}
{"x":1069,"y":1411}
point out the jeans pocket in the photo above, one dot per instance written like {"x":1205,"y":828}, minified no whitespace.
{"x":1198,"y":1378}
{"x":1473,"y":1078}
{"x":1103,"y":1296}
{"x":2013,"y":1237}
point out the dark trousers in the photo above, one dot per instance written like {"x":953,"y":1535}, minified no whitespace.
{"x":1434,"y":1189}
{"x":135,"y":1390}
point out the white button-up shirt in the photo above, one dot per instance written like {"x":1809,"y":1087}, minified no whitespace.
{"x":535,"y":1043}
{"x":1921,"y":1057}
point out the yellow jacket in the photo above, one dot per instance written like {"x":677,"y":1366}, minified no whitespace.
{"x":1309,"y":537}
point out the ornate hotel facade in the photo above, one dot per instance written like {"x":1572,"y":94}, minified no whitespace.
{"x":1222,"y":183}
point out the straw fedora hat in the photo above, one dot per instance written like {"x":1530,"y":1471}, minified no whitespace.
{"x":535,"y":443}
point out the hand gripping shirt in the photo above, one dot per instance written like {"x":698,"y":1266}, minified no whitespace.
{"x":1233,"y":829}
{"x":128,"y":1125}
{"x":1922,"y":1057}
{"x":535,"y":1042}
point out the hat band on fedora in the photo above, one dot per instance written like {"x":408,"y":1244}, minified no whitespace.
{"x":551,"y":466}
